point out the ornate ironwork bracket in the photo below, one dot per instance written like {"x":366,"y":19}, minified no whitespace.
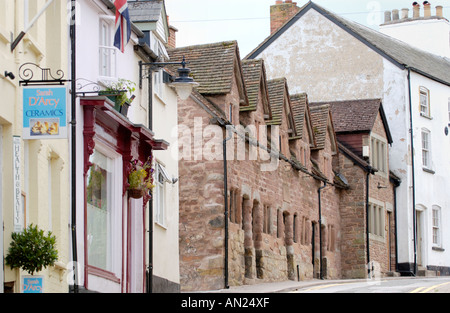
{"x":28,"y":71}
{"x":146,"y":69}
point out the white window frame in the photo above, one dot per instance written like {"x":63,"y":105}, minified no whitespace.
{"x":107,"y":55}
{"x":115,"y":221}
{"x":426,"y":149}
{"x":448,"y":111}
{"x":160,"y":179}
{"x":424,"y":102}
{"x":436,"y":226}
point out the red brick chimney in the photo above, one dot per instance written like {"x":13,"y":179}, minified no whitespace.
{"x":281,"y":12}
{"x":172,"y":40}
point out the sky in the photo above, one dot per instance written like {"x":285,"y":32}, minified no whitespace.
{"x":248,"y":21}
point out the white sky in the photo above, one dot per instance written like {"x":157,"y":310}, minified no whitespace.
{"x":248,"y":21}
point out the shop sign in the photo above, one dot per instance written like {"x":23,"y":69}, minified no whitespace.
{"x":32,"y":284}
{"x":45,"y":112}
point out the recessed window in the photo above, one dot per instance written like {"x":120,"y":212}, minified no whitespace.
{"x":426,"y":149}
{"x":378,"y":157}
{"x":376,"y":219}
{"x":424,"y":102}
{"x":436,"y":226}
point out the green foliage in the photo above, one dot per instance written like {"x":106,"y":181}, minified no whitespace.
{"x":122,"y":90}
{"x":31,"y":250}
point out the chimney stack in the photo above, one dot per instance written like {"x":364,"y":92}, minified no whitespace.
{"x":281,"y":12}
{"x":427,"y":9}
{"x":439,"y":12}
{"x":172,"y":40}
{"x":405,"y":13}
{"x":387,"y":16}
{"x":416,"y":10}
{"x":395,"y":15}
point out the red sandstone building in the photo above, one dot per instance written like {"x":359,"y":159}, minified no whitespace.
{"x":303,"y":200}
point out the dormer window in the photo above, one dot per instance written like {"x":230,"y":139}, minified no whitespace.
{"x":424,"y":102}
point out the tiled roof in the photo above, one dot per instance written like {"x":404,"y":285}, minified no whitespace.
{"x":252,"y":70}
{"x":277,"y":93}
{"x":319,"y":120}
{"x":354,"y":115}
{"x":212,"y":65}
{"x":299,"y":103}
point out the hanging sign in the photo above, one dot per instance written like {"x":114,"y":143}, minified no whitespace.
{"x":18,"y":215}
{"x":45,"y":112}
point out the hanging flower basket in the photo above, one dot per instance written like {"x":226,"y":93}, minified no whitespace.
{"x":140,"y":179}
{"x":136,"y":193}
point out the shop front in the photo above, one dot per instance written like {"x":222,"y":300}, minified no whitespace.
{"x":114,"y":218}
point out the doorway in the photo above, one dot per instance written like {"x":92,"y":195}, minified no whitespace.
{"x":419,"y":238}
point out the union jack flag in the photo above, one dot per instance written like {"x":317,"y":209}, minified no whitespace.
{"x":123,"y":25}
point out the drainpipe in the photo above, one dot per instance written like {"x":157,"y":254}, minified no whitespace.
{"x":367,"y":221}
{"x":225,"y":184}
{"x":411,"y":131}
{"x":150,"y":246}
{"x":320,"y":228}
{"x":73,"y":147}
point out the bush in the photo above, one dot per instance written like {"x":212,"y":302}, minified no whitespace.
{"x":31,"y":250}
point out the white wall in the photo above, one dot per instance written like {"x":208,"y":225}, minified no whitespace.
{"x":431,"y":35}
{"x":433,"y":188}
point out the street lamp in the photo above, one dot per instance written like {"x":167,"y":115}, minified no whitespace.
{"x":183,"y":84}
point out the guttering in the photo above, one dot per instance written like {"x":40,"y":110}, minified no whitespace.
{"x":411,"y":131}
{"x":320,"y":229}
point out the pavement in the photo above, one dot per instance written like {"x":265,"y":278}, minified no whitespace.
{"x":279,"y":287}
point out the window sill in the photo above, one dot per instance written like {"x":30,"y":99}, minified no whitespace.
{"x":439,"y":249}
{"x":161,"y":225}
{"x":426,"y":116}
{"x":377,"y":238}
{"x":428,"y":170}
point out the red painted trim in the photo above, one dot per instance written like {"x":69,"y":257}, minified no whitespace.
{"x":92,"y":270}
{"x":132,"y":141}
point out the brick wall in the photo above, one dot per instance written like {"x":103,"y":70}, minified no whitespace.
{"x":280,"y":13}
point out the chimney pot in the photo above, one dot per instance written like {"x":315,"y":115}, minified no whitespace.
{"x":387,"y":16}
{"x":439,"y":12}
{"x":405,"y":13}
{"x":395,"y":15}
